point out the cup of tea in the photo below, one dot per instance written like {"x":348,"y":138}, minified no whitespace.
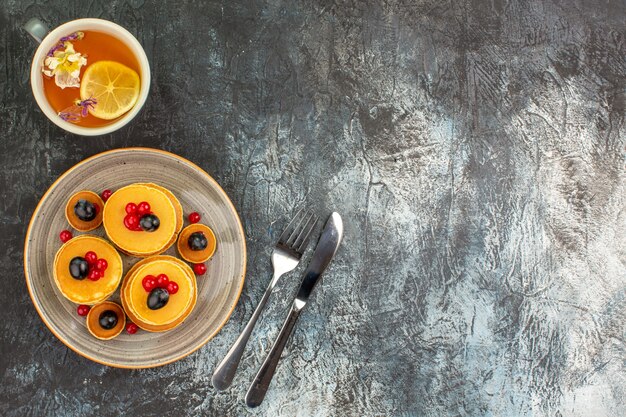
{"x":89,"y":76}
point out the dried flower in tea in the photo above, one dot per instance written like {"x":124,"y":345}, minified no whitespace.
{"x":79,"y":109}
{"x":64,"y":63}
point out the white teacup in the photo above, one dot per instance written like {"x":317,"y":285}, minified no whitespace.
{"x":48,"y":39}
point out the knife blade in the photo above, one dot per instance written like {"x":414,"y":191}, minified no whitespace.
{"x":324,"y":252}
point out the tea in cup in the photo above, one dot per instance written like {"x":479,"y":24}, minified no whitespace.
{"x":88,"y":76}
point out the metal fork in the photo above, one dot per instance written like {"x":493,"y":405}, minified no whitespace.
{"x":286,"y":256}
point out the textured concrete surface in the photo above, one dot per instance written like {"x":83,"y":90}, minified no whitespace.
{"x":474,"y":148}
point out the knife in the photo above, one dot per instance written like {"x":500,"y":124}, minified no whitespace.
{"x":324,"y":253}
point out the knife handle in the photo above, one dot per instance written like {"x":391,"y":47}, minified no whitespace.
{"x":260,"y":384}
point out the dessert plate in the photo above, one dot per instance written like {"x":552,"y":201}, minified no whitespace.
{"x":218,"y":289}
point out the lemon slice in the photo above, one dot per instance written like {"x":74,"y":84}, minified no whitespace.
{"x":113,"y":85}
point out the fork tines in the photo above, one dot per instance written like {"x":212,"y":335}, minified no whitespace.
{"x":298,"y":232}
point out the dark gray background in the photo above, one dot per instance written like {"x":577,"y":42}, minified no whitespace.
{"x":474,"y":148}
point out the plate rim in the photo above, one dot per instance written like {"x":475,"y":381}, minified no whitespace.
{"x":45,"y":197}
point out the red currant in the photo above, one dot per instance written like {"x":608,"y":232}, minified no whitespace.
{"x":101,"y":264}
{"x":106,"y":194}
{"x":143,"y":208}
{"x":131,"y":221}
{"x":194,"y":217}
{"x":199,"y":269}
{"x":131,"y":328}
{"x":131,"y":208}
{"x":149,"y":283}
{"x":82,"y":310}
{"x":65,"y":235}
{"x":91,"y":257}
{"x":172,"y":287}
{"x":96,"y":207}
{"x":94,"y":275}
{"x":162,"y":280}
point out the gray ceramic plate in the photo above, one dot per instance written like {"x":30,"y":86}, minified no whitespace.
{"x":218,"y":289}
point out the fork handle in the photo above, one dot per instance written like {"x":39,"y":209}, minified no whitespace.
{"x":225,"y":371}
{"x":258,"y":388}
